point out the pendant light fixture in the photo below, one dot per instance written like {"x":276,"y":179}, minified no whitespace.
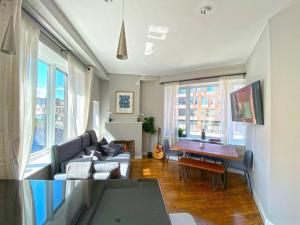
{"x":8,"y":44}
{"x":122,"y":47}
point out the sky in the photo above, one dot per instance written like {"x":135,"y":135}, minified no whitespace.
{"x":42,"y":81}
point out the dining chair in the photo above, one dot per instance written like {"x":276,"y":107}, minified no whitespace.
{"x":168,"y":152}
{"x":244,"y":165}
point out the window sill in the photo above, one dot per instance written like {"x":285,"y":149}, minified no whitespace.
{"x":37,"y":163}
{"x":191,"y":138}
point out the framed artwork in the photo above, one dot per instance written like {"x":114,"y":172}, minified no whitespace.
{"x":124,"y":102}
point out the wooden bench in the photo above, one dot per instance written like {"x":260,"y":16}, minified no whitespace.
{"x":197,"y":164}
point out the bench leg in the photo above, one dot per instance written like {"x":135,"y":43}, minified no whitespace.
{"x":180,"y":172}
{"x":214,"y":183}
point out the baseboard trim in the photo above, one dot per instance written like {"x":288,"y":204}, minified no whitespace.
{"x":261,"y":210}
{"x":138,"y":157}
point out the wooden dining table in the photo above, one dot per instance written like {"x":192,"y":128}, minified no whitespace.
{"x":208,"y":149}
{"x":220,"y":151}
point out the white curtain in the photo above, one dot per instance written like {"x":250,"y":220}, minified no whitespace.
{"x":29,"y":42}
{"x":9,"y":97}
{"x":79,"y":97}
{"x":228,"y":85}
{"x":170,"y":110}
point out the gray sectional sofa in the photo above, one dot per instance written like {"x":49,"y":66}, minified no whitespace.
{"x":75,"y":148}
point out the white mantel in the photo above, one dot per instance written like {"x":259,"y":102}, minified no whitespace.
{"x":126,"y":131}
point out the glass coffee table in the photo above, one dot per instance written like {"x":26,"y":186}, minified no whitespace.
{"x":110,"y":202}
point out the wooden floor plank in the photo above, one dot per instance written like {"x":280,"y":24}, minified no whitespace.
{"x":196,"y":196}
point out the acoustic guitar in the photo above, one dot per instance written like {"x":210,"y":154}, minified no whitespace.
{"x":158,"y":152}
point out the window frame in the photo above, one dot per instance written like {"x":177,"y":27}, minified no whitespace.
{"x":188,"y":105}
{"x":53,"y":65}
{"x":188,"y":121}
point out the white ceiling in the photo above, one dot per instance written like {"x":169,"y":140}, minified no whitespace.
{"x":194,"y":41}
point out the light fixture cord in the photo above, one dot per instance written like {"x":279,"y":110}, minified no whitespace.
{"x":123,"y":11}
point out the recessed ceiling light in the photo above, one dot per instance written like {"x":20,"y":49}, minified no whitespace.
{"x":108,"y":0}
{"x":206,"y":10}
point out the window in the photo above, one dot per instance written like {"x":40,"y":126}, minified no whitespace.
{"x":51,"y":100}
{"x":200,"y":107}
{"x":60,"y":110}
{"x":40,"y":128}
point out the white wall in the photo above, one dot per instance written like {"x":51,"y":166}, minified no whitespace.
{"x":285,"y":88}
{"x":152,"y":104}
{"x":124,"y":83}
{"x":258,"y":137}
{"x":104,"y":105}
{"x":218,"y":71}
{"x":275,"y":61}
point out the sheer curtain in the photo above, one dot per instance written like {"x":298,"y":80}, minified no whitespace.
{"x":79,"y":97}
{"x":29,"y":42}
{"x":170,"y":110}
{"x":9,"y":97}
{"x":229,"y":85}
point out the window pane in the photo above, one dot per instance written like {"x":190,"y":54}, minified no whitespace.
{"x":182,"y":108}
{"x":57,"y":194}
{"x":40,"y":127}
{"x":39,"y":200}
{"x":59,"y":106}
{"x":205,"y":110}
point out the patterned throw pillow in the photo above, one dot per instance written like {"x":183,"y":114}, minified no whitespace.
{"x":100,"y":148}
{"x":93,"y":151}
{"x":112,"y":149}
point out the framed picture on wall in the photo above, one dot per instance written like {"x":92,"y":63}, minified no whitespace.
{"x":124,"y":102}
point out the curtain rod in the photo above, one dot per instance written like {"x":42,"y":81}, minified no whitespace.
{"x":203,"y":78}
{"x":53,"y":39}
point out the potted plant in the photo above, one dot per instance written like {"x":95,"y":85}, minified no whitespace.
{"x":148,"y":127}
{"x":180,"y":132}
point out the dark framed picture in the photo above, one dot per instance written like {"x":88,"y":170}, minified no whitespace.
{"x":124,"y":102}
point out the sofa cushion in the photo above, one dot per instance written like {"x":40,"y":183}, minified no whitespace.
{"x":122,"y":156}
{"x":78,"y":158}
{"x":112,"y":167}
{"x":79,"y":170}
{"x":101,"y":176}
{"x":60,"y":176}
{"x":105,"y":166}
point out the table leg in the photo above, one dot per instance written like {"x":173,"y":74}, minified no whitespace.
{"x":225,"y":177}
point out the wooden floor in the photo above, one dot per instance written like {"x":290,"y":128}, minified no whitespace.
{"x":196,"y":196}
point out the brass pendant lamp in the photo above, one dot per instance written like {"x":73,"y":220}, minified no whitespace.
{"x":122,"y":47}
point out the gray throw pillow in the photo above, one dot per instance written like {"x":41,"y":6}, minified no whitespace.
{"x":111,"y":149}
{"x":93,"y":150}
